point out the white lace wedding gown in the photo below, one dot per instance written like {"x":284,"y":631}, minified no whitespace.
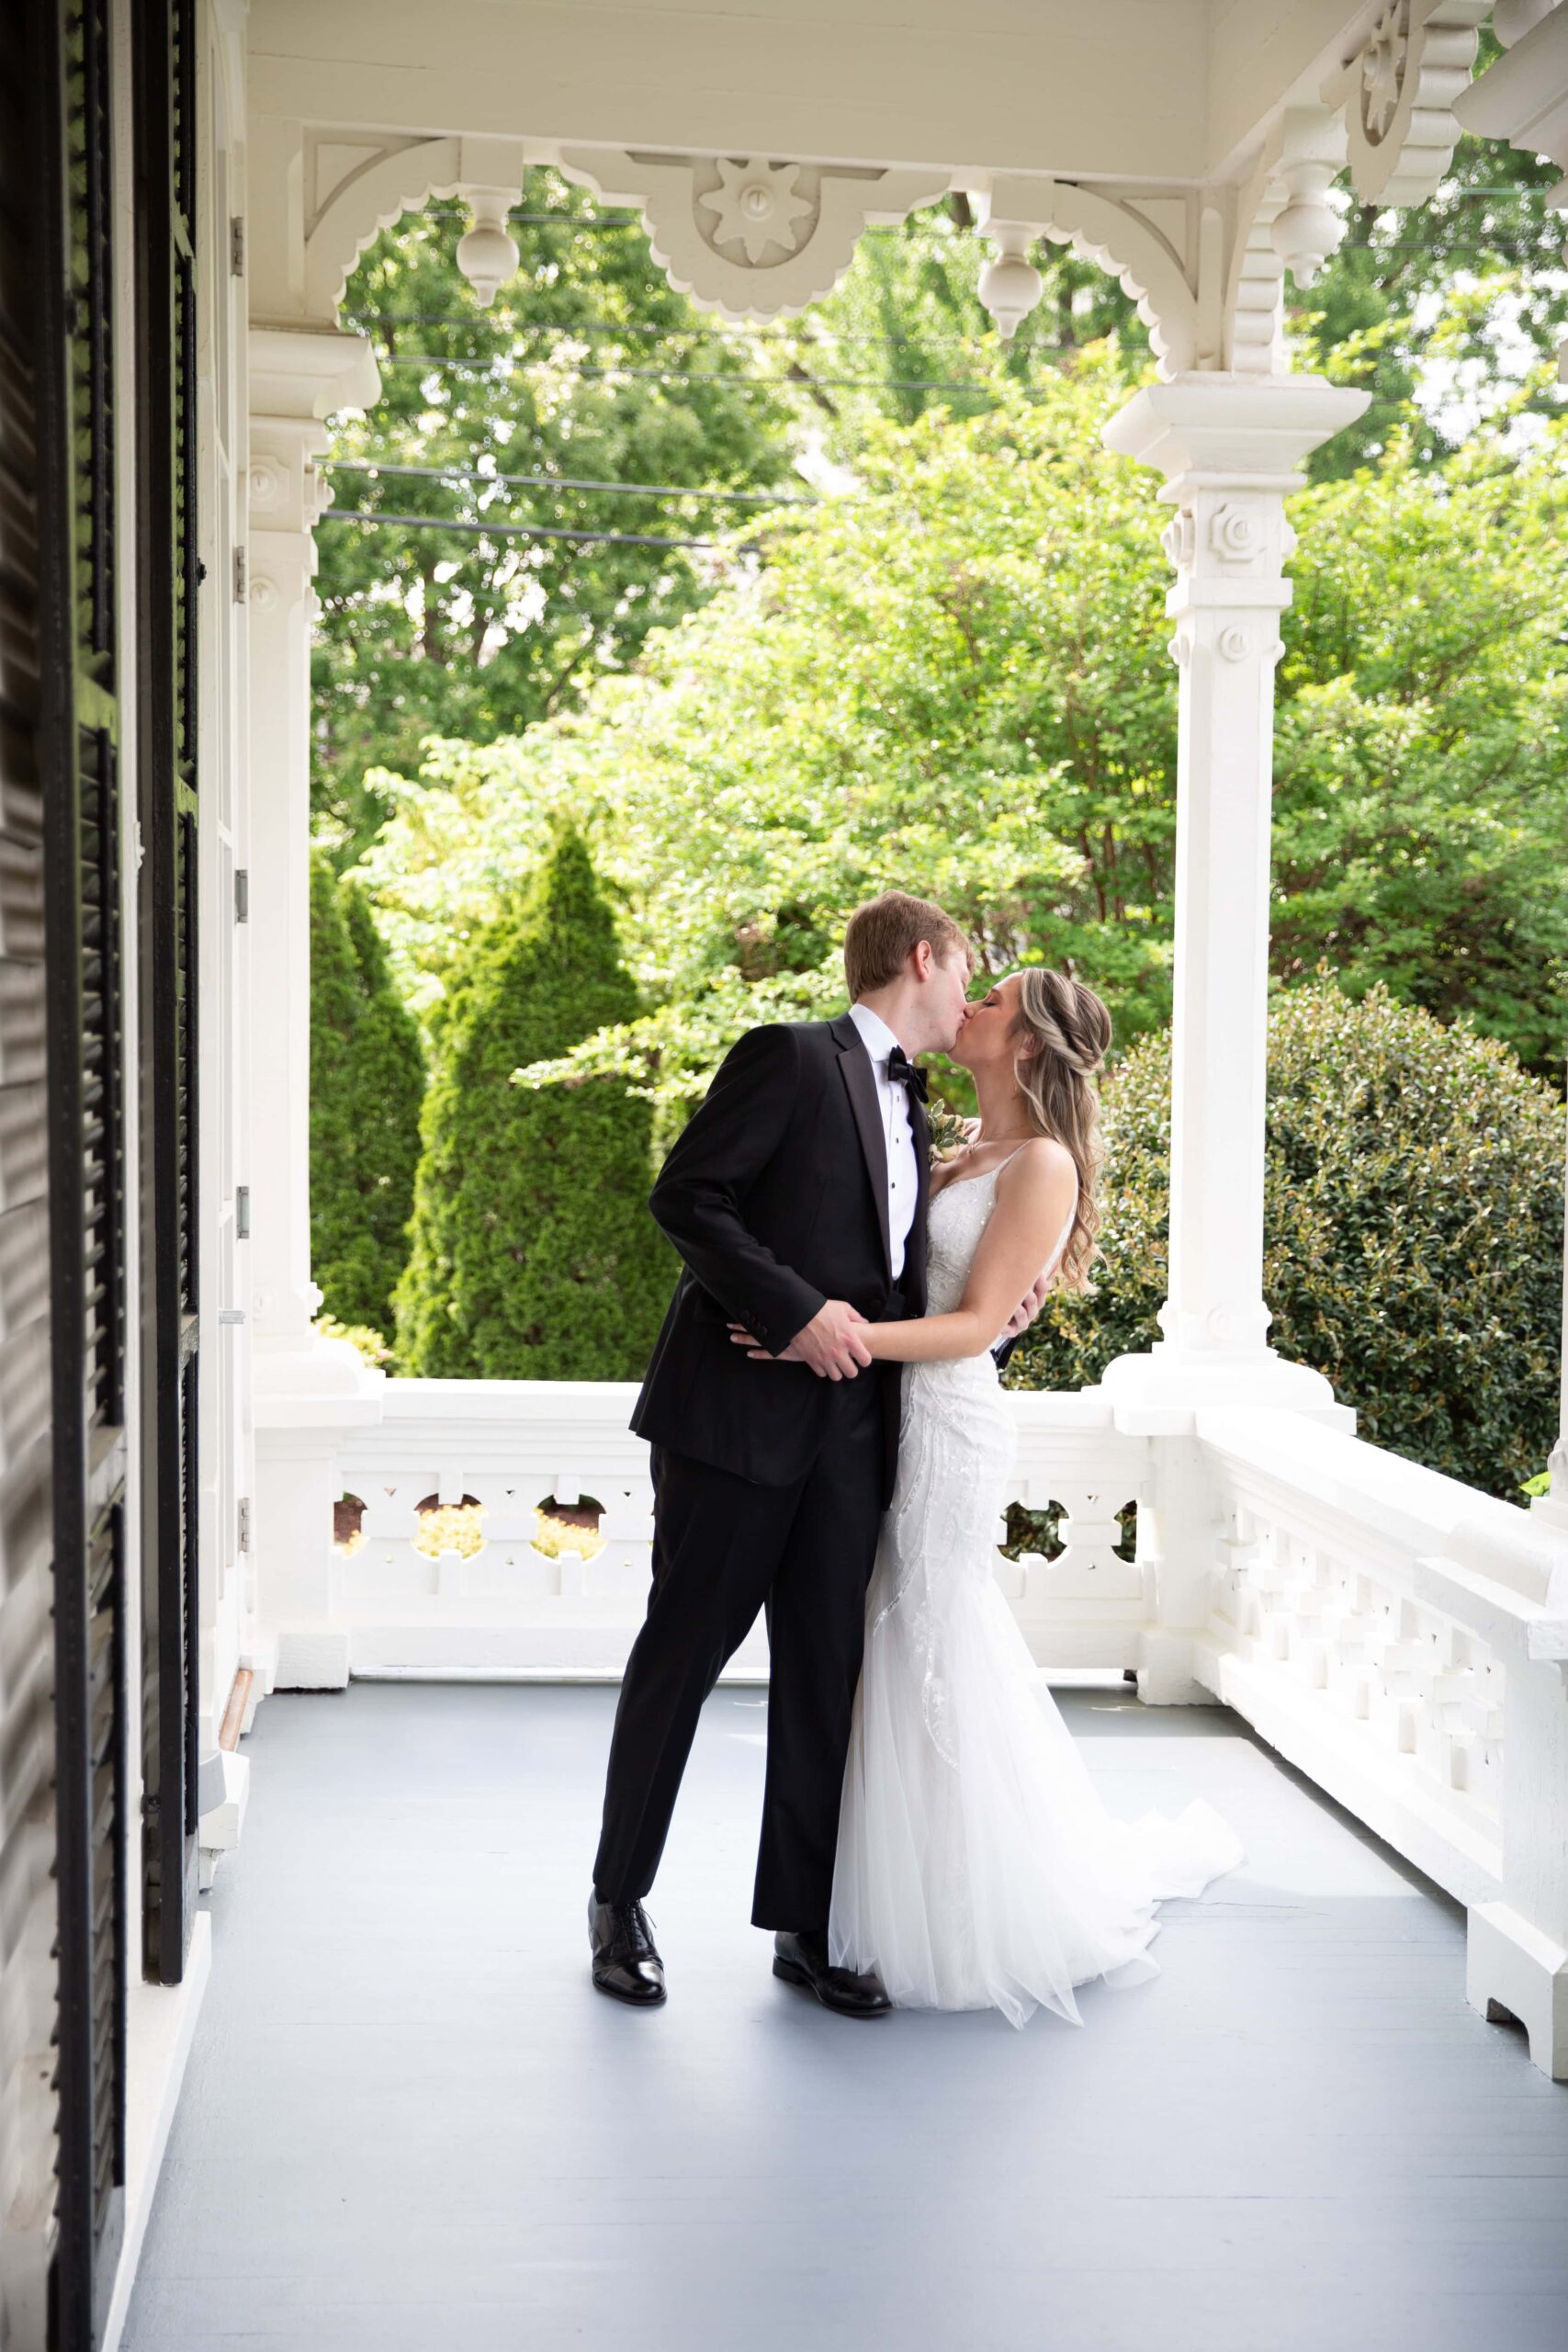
{"x":977,"y":1866}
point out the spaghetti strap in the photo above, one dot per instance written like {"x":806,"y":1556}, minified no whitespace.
{"x":1011,"y":1156}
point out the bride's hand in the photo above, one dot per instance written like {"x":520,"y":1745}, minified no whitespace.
{"x":1026,"y":1310}
{"x":740,"y":1338}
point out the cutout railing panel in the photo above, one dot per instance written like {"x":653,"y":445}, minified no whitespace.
{"x":517,"y":1603}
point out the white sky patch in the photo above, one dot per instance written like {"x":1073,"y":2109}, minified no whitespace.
{"x":1459,"y":395}
{"x":822,"y":473}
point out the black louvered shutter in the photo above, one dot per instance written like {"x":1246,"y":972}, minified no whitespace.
{"x":29,"y":2068}
{"x":79,"y":747}
{"x":166,"y":609}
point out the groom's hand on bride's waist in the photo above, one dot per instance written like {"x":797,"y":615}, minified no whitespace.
{"x":829,"y":1345}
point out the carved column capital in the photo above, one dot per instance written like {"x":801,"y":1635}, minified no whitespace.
{"x":1232,"y":432}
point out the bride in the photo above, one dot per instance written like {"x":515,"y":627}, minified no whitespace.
{"x":976,"y":1865}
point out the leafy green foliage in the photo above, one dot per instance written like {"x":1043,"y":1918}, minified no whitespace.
{"x":367,"y":1081}
{"x":1419,"y":747}
{"x":1446,"y":314}
{"x":587,"y":364}
{"x":904,"y":332}
{"x":1414,"y":1231}
{"x":533,"y":1254}
{"x":957,"y":680}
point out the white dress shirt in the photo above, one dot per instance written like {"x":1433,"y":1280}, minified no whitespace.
{"x":903,"y":1171}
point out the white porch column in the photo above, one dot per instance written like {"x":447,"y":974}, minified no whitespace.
{"x":305,"y":1387}
{"x":1230,"y":447}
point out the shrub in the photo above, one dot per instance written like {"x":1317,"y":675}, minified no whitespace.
{"x":533,"y":1255}
{"x":366,"y":1080}
{"x":1413,"y":1231}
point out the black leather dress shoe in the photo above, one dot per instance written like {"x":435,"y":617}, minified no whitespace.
{"x":803,"y":1960}
{"x":625,"y":1959}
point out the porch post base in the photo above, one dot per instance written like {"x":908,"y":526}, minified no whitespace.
{"x":307,"y":1404}
{"x":1165,"y":1671}
{"x":312,"y":1658}
{"x":1513,"y":1970}
{"x":1157,"y":1394}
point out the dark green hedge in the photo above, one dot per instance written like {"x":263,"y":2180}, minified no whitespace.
{"x":533,"y":1252}
{"x":366,"y":1082}
{"x":1414,"y":1231}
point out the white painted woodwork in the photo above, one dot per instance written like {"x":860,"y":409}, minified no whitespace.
{"x":297,"y":377}
{"x":1230,"y":448}
{"x":1394,"y":1634}
{"x":512,"y":1444}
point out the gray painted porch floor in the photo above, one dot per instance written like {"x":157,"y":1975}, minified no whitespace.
{"x":409,"y":2123}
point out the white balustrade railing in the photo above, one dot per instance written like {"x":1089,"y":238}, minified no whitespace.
{"x":1401,"y":1638}
{"x":509,"y":1446}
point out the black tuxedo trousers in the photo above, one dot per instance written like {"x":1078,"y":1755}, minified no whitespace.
{"x":724,"y":1549}
{"x":769,"y":1484}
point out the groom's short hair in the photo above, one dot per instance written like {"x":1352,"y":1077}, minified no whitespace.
{"x":879,"y":938}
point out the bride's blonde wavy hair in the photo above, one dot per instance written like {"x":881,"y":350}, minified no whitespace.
{"x":1063,"y":1032}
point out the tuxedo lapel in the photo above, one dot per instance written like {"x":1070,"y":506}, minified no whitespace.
{"x":860,"y":1081}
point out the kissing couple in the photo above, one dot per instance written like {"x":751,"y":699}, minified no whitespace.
{"x":830,"y":1443}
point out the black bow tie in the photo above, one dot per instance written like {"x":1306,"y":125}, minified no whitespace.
{"x":902,"y":1071}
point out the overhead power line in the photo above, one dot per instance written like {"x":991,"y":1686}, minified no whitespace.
{"x":629,"y":330}
{"x":570,"y":482}
{"x":525,"y":530}
{"x":436,"y":363}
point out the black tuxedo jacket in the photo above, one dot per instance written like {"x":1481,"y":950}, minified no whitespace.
{"x":775,"y":1196}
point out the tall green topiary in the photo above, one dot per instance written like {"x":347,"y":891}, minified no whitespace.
{"x":366,"y":1082}
{"x":533,"y":1252}
{"x":1414,"y":1231}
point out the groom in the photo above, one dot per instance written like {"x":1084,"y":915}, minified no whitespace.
{"x":796,"y":1198}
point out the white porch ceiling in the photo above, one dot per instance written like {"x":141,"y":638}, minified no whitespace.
{"x":1130,"y":90}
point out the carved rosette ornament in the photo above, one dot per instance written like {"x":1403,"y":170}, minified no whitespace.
{"x":758,"y":213}
{"x":751,"y":236}
{"x":1384,"y":62}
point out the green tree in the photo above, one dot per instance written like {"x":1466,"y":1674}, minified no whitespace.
{"x":1413,"y":1247}
{"x":1444,"y":313}
{"x":957,"y":679}
{"x":366,"y":1080}
{"x":904,"y":331}
{"x":533,"y":1254}
{"x":588,"y":367}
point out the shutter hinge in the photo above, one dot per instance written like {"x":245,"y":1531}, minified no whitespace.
{"x":243,"y":1213}
{"x":242,"y":894}
{"x":239,"y":575}
{"x":230,"y":1315}
{"x":244,"y":1527}
{"x":237,"y":245}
